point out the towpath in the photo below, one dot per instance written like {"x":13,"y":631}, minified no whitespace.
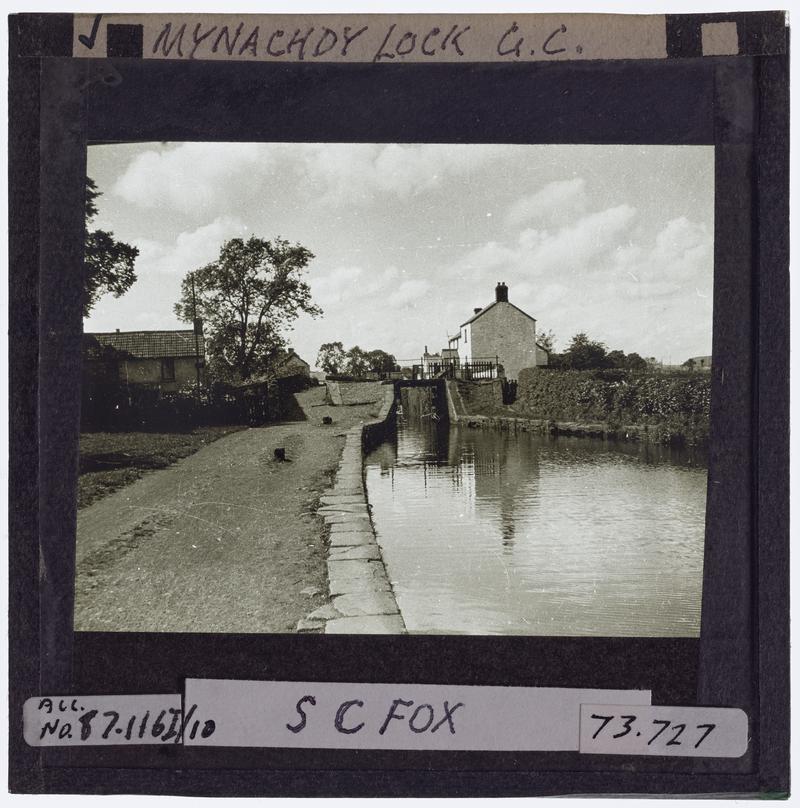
{"x":226,"y":540}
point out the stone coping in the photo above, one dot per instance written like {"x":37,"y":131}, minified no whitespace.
{"x":362,"y":600}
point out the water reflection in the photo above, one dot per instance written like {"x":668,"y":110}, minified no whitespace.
{"x":489,"y":532}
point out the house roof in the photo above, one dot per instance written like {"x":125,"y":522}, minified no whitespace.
{"x":491,"y":306}
{"x":288,"y":356}
{"x":152,"y":344}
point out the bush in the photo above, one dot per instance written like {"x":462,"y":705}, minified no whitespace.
{"x":679,"y":404}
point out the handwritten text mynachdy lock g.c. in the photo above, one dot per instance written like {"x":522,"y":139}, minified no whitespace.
{"x":371,"y":38}
{"x":310,"y":43}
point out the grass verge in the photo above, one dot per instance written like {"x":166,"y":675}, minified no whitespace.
{"x":111,"y":460}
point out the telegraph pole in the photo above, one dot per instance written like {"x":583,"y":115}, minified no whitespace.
{"x":196,"y":328}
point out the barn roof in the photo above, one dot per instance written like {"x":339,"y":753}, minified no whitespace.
{"x":152,"y":344}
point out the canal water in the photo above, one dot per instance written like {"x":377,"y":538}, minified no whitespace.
{"x":491,"y":532}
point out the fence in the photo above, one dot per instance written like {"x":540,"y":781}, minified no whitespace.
{"x":477,"y":369}
{"x":111,"y":406}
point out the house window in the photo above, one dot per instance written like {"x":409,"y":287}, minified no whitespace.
{"x":465,"y":335}
{"x":168,"y":370}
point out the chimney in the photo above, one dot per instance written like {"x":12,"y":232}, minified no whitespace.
{"x":501,"y":293}
{"x":117,"y":331}
{"x":477,"y":310}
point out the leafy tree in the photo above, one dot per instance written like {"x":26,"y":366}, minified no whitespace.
{"x":380,"y":361}
{"x":635,"y":362}
{"x":108,"y":264}
{"x":331,"y":357}
{"x":357,"y":361}
{"x":247,"y":299}
{"x":615,"y":359}
{"x":585,"y":354}
{"x":546,"y":340}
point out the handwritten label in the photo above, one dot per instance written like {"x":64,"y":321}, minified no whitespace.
{"x":395,"y":716}
{"x":111,"y":720}
{"x":377,"y":38}
{"x":667,"y":731}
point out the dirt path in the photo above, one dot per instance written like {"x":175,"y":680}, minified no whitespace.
{"x":226,"y":540}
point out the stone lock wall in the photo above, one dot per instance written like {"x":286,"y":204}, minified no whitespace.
{"x":481,"y":397}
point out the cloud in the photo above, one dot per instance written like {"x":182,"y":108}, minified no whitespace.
{"x":569,"y":250}
{"x":194,"y":178}
{"x":190,"y":250}
{"x":408,"y":292}
{"x":600,"y":275}
{"x":214,"y":178}
{"x":359,"y":172}
{"x":553,"y":204}
{"x":347,"y":284}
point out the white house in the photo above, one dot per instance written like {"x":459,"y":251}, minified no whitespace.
{"x":503,"y":331}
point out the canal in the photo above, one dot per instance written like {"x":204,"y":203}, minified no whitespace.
{"x":491,"y":532}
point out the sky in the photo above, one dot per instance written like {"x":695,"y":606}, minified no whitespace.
{"x":613,"y":241}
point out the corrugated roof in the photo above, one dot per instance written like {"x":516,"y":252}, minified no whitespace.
{"x":152,"y":344}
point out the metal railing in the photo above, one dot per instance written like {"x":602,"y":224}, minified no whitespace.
{"x":477,"y":369}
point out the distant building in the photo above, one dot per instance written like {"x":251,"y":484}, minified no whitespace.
{"x":166,"y":360}
{"x":698,"y":363}
{"x":431,"y":363}
{"x":501,"y":332}
{"x":292,"y":365}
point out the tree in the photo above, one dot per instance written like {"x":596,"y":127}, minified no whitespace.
{"x":357,"y":362}
{"x":546,"y":340}
{"x":635,"y":362}
{"x":585,"y":354}
{"x":247,"y":299}
{"x":616,"y":359}
{"x":108,"y":264}
{"x":331,"y":357}
{"x":380,"y":361}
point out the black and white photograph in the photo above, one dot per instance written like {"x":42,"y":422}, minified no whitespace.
{"x":399,"y":403}
{"x":395,"y":388}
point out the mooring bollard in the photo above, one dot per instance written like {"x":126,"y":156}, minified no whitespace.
{"x":280,"y":454}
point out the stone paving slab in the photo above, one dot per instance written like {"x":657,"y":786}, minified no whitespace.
{"x":343,"y":499}
{"x":347,"y":519}
{"x":331,"y":510}
{"x":352,"y":539}
{"x":364,"y":603}
{"x":351,"y":526}
{"x":355,"y":568}
{"x":326,"y":612}
{"x":337,"y":525}
{"x":308,"y":625}
{"x":349,"y":586}
{"x":370,"y":552}
{"x":351,"y":478}
{"x":370,"y":624}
